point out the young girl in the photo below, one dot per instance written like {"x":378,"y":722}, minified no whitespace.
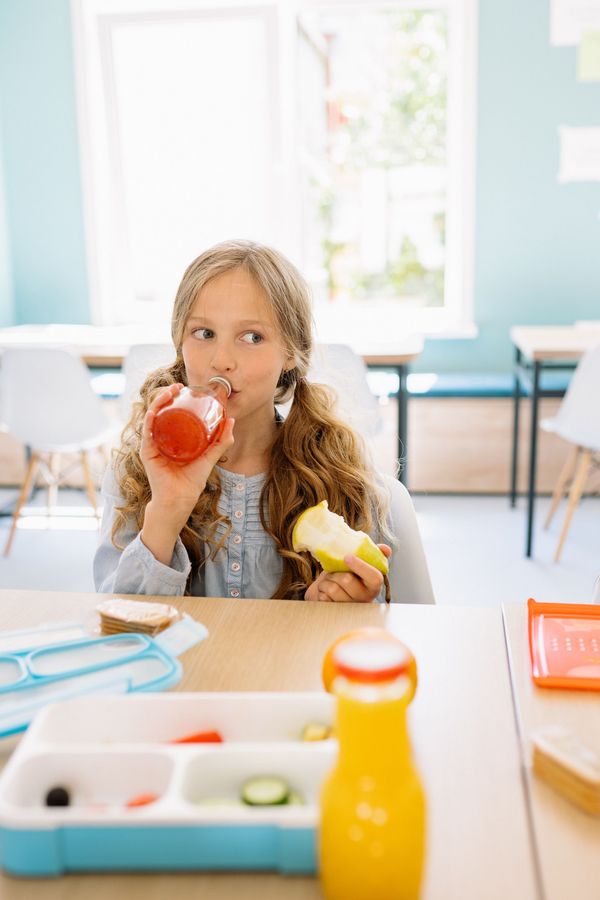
{"x":222,"y":524}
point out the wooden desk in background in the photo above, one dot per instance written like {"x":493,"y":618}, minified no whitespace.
{"x":462,"y":726}
{"x":538,"y":348}
{"x":567,"y":840}
{"x":106,"y":347}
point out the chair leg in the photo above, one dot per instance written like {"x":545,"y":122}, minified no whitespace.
{"x":566,"y":473}
{"x":89,"y":483}
{"x":54,"y":469}
{"x":105,"y":450}
{"x":576,"y":492}
{"x":25,"y":491}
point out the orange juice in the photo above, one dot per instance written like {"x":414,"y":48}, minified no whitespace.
{"x":372,"y":828}
{"x":193,"y":420}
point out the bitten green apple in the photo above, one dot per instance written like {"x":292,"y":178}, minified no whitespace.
{"x":329,"y":539}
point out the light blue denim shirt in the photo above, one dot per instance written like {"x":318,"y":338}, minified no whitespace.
{"x":248,"y":565}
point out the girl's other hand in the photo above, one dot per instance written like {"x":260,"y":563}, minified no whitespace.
{"x":176,"y":486}
{"x":362,"y":585}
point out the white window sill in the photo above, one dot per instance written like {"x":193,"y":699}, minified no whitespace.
{"x":383,"y":322}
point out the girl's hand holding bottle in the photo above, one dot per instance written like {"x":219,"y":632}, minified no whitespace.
{"x":362,"y":585}
{"x":175,"y":486}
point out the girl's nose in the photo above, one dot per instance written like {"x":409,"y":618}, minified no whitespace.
{"x":223,"y":359}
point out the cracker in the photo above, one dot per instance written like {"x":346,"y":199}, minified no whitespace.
{"x":120,"y":615}
{"x":569,"y":766}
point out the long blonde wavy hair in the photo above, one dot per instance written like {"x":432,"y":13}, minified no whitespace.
{"x":315,"y":455}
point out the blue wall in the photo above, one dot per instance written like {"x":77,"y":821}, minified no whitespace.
{"x":6,"y":291}
{"x":537,"y":242}
{"x":537,"y":250}
{"x":41,"y":162}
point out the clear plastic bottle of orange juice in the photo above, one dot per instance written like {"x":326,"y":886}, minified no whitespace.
{"x":372,"y":828}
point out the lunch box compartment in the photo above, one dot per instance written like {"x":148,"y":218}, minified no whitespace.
{"x":164,"y":718}
{"x":95,"y":780}
{"x":221,"y":776}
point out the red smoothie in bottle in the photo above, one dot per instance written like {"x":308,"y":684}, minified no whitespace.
{"x":192,"y":421}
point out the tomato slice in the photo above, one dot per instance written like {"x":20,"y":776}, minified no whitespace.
{"x":141,"y":800}
{"x":200,"y":737}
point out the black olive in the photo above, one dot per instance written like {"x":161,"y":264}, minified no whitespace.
{"x":58,"y":796}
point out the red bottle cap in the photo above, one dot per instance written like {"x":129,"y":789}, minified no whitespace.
{"x":371,"y":659}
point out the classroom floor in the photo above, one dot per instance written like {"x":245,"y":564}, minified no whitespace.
{"x":473,"y":544}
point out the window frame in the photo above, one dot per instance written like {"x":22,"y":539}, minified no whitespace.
{"x":106,"y":248}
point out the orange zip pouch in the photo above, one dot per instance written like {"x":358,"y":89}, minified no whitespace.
{"x":564,"y":644}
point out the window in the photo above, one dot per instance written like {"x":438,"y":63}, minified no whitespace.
{"x":342,"y":134}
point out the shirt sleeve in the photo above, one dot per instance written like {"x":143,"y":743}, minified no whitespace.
{"x":408,"y":575}
{"x":133,"y":569}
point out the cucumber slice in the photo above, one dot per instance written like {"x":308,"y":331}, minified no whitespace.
{"x":265,"y":790}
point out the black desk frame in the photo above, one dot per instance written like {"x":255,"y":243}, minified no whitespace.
{"x":527,"y":382}
{"x":401,"y":369}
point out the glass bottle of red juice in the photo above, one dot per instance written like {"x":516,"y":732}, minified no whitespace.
{"x":192,"y":421}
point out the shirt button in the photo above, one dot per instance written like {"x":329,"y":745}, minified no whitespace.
{"x":239,"y":486}
{"x":238,"y":514}
{"x":234,"y":592}
{"x":235,"y":567}
{"x":237,"y":539}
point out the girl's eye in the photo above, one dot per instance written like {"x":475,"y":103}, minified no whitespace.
{"x":203,"y":334}
{"x":252,"y":337}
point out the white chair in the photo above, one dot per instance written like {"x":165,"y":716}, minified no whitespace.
{"x":141,"y":359}
{"x":578,"y":422}
{"x":339,"y":367}
{"x":409,"y":575}
{"x":48,"y":404}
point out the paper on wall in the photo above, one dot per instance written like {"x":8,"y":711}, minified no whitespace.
{"x":579,"y":154}
{"x":588,"y":57}
{"x":569,"y":19}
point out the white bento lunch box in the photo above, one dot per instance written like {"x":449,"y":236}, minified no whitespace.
{"x":106,"y":750}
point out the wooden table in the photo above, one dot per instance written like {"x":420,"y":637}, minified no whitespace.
{"x":537,"y":348}
{"x":107,"y":347}
{"x":567,"y":840}
{"x":462,"y":727}
{"x":99,"y":346}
